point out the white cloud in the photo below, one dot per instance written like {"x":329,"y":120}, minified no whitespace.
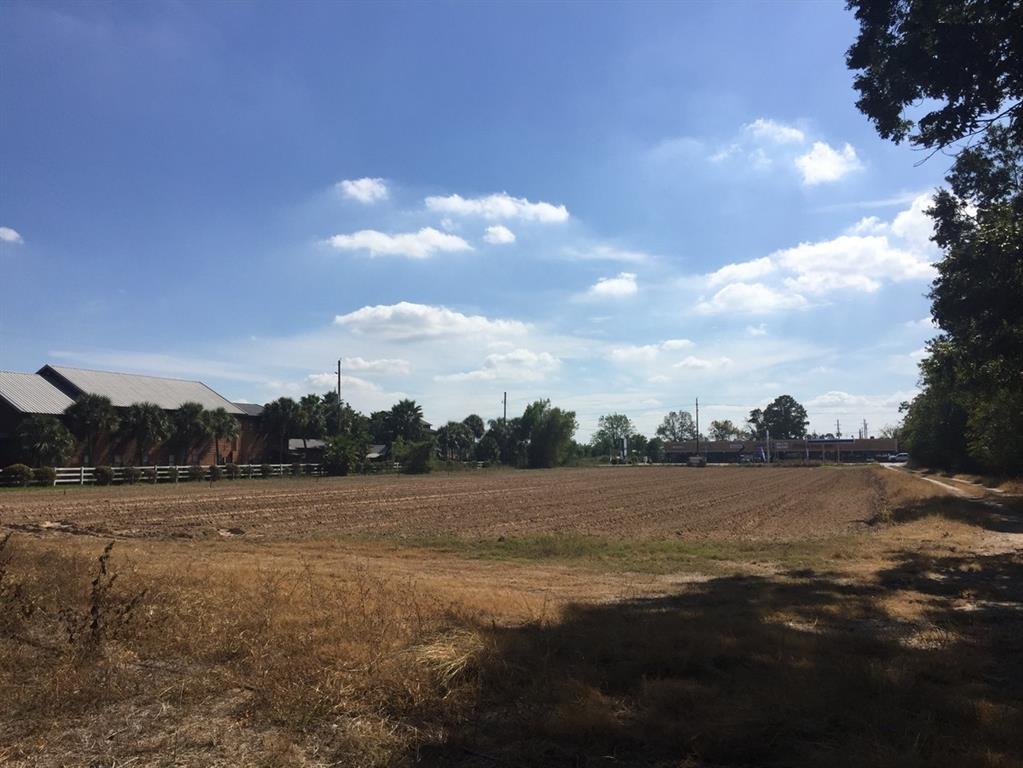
{"x":742,"y":271}
{"x":364,"y":190}
{"x":756,"y":330}
{"x":915,"y":227}
{"x":8,"y":235}
{"x":499,"y":235}
{"x":837,"y":401}
{"x":703,"y":364}
{"x":384,"y":366}
{"x":517,"y":365}
{"x":824,"y":163}
{"x":750,"y":298}
{"x":605,"y":252}
{"x":414,"y":245}
{"x":850,"y":261}
{"x":410,"y":322}
{"x":926,"y":323}
{"x":763,"y":129}
{"x":498,"y":206}
{"x":868,"y":225}
{"x":624,"y":284}
{"x":673,"y":344}
{"x":349,"y":384}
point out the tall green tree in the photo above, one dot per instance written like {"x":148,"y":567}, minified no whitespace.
{"x":475,"y":425}
{"x":612,"y":428}
{"x":343,"y":421}
{"x":948,"y":75}
{"x":147,"y":424}
{"x":546,"y":433}
{"x":783,"y":418}
{"x":312,"y":421}
{"x":89,"y":417}
{"x":280,"y":420}
{"x":221,"y":425}
{"x":190,"y":428}
{"x":45,"y":440}
{"x":406,"y":421}
{"x":456,"y":440}
{"x":677,"y":426}
{"x":724,"y":430}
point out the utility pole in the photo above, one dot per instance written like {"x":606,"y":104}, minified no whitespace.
{"x":697,"y":426}
{"x":838,"y":437}
{"x":339,"y":411}
{"x":505,"y":417}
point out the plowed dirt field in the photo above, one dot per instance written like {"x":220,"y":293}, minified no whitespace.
{"x":638,"y":502}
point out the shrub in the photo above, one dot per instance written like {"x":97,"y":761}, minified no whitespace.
{"x":149,"y":474}
{"x":132,"y":475}
{"x":103,"y":475}
{"x":416,"y":458}
{"x":311,"y":469}
{"x":44,"y":475}
{"x":216,"y":472}
{"x":232,"y":471}
{"x":296,"y":469}
{"x":344,"y":455}
{"x":195,"y":472}
{"x":18,"y":474}
{"x":172,"y":474}
{"x":266,"y":470}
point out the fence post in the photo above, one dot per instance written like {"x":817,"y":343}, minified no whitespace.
{"x":81,"y":475}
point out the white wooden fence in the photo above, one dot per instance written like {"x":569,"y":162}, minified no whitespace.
{"x":168,"y":474}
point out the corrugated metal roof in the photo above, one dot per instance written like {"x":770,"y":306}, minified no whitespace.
{"x":253,"y":409}
{"x":31,"y":393}
{"x":123,"y":389}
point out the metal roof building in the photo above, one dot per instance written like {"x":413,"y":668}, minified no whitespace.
{"x":31,"y":393}
{"x":123,"y":389}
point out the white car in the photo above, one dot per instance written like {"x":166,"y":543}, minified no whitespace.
{"x":899,"y":458}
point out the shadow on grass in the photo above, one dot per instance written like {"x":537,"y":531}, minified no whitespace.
{"x":808,"y":670}
{"x":1003,"y":515}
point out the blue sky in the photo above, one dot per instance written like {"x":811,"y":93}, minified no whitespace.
{"x":620,"y":207}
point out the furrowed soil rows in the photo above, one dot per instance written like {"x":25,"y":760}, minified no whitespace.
{"x":643,"y":502}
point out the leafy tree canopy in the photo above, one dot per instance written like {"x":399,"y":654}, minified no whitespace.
{"x":611,"y":430}
{"x":677,"y":426}
{"x":45,"y":441}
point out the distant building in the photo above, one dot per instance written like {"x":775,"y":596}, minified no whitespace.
{"x":731,"y":451}
{"x":53,"y":388}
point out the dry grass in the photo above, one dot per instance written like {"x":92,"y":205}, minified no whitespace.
{"x":905,"y":651}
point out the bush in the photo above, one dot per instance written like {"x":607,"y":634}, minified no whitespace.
{"x":266,"y":470}
{"x":103,"y":475}
{"x":216,"y":472}
{"x":232,"y":471}
{"x":296,"y":469}
{"x":344,"y":455}
{"x":44,"y":475}
{"x":132,"y":475}
{"x":149,"y":474}
{"x":172,"y":474}
{"x":18,"y":474}
{"x":195,"y":472}
{"x":416,"y":458}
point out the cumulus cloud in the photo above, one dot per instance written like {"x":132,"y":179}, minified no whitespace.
{"x":384,"y":366}
{"x":498,"y":206}
{"x":750,"y":298}
{"x":673,"y":344}
{"x":406,"y":321}
{"x":822,"y":163}
{"x":868,"y":225}
{"x":329,"y":381}
{"x":8,"y":235}
{"x":837,"y":401}
{"x":623,"y":284}
{"x":764,"y":129}
{"x":850,"y":261}
{"x":365,"y":190}
{"x":517,"y":365}
{"x":742,"y":271}
{"x":414,"y":245}
{"x":646,"y":353}
{"x":499,"y":235}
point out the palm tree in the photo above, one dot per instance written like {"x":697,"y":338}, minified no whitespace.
{"x":89,"y":417}
{"x":220,"y":425}
{"x":312,"y":420}
{"x":190,"y":427}
{"x":46,"y":440}
{"x":147,"y":424}
{"x":279,"y":420}
{"x":406,"y":420}
{"x":475,"y":425}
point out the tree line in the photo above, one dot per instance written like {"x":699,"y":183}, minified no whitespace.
{"x":948,"y":77}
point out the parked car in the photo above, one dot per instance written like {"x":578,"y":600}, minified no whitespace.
{"x":900,"y":458}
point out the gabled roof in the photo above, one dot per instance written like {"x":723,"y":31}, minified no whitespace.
{"x":252,"y":409}
{"x":31,"y":393}
{"x":123,"y":389}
